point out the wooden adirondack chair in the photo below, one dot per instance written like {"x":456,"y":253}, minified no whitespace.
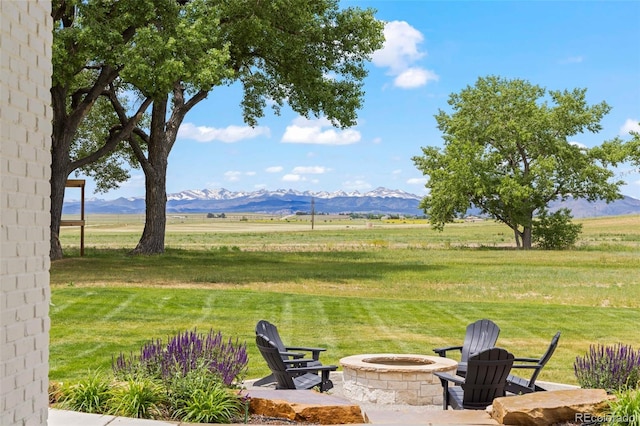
{"x":486,"y":380}
{"x":288,"y":377}
{"x":480,"y":335}
{"x":288,"y":353}
{"x":518,"y":385}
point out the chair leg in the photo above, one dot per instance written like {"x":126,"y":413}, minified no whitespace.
{"x":445,"y":394}
{"x":265,"y":380}
{"x":326,"y":383}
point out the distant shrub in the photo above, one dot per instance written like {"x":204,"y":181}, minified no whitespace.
{"x":555,"y":231}
{"x":185,"y":352}
{"x":608,"y":367}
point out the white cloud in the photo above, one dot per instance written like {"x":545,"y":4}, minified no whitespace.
{"x":137,"y":180}
{"x":399,"y":54}
{"x":414,"y":77}
{"x":232,"y":176}
{"x":630,"y":125}
{"x":417,"y":181}
{"x":228,"y":134}
{"x":307,"y":131}
{"x":274,"y":169}
{"x":292,"y":178}
{"x":312,"y":170}
{"x":400,"y":47}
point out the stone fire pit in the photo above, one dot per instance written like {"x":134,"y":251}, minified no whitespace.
{"x":395,"y":378}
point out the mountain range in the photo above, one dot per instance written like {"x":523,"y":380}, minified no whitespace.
{"x":378,"y":201}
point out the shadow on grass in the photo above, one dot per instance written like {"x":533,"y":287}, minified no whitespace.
{"x":224,"y":266}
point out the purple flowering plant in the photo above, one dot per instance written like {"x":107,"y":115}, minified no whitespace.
{"x":612,"y":368}
{"x":186,"y":352}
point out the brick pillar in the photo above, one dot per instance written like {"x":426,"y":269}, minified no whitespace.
{"x":25,"y":142}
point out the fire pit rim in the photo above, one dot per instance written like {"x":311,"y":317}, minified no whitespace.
{"x":429,"y":363}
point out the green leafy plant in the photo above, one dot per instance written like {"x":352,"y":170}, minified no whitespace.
{"x":180,"y":387}
{"x":139,"y":398}
{"x":555,"y":231}
{"x":216,"y":404}
{"x":90,"y":395}
{"x":625,"y":409}
{"x":612,"y":368}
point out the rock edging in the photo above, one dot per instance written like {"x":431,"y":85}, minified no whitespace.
{"x":545,"y":408}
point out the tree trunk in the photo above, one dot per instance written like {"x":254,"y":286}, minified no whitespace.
{"x":152,"y":239}
{"x":163,"y":134}
{"x":65,"y":124}
{"x":60,"y":142}
{"x":58,"y":182}
{"x":155,"y":171}
{"x":516,"y":234}
{"x":526,"y":238}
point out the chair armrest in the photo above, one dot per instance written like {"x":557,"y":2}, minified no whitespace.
{"x":297,"y":361}
{"x":526,"y":360}
{"x":304,"y":348}
{"x":442,"y":351}
{"x":315,"y":351}
{"x":450,"y":378}
{"x":316,"y":368}
{"x":294,"y":355}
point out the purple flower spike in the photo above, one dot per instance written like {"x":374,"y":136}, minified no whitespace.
{"x":185,"y":352}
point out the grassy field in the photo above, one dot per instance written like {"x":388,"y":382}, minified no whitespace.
{"x":354,"y":286}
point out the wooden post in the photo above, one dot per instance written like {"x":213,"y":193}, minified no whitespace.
{"x":77,"y":183}
{"x":313,"y":212}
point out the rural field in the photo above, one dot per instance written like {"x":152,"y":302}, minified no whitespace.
{"x":353,"y":286}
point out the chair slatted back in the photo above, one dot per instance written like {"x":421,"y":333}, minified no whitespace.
{"x":480,"y":335}
{"x":545,"y":358}
{"x":269,"y":330}
{"x":271,"y":355}
{"x":486,"y":377}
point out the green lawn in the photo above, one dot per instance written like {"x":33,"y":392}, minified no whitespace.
{"x":388,"y":288}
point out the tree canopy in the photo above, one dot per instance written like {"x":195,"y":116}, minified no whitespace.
{"x":91,"y":42}
{"x":507,"y":151}
{"x":169,"y":55}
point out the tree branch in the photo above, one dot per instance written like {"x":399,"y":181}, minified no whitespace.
{"x":116,"y":135}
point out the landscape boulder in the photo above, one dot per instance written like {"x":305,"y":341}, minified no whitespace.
{"x":305,"y":406}
{"x":546,"y":408}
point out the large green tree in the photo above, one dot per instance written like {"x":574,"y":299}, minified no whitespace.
{"x":92,"y":40}
{"x":507,"y":151}
{"x":309,"y":54}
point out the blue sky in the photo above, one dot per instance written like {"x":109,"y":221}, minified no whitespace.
{"x":433,"y":49}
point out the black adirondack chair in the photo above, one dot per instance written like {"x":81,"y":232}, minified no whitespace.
{"x":486,"y":380}
{"x":521,"y":385}
{"x":289,"y":377}
{"x":288,"y":353}
{"x":480,"y":335}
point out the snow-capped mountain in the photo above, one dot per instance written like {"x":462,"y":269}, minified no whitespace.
{"x":288,"y":201}
{"x":223,"y":194}
{"x":281,"y":201}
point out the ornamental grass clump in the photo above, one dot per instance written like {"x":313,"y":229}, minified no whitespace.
{"x":186,"y":352}
{"x":612,"y":368}
{"x":90,"y":395}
